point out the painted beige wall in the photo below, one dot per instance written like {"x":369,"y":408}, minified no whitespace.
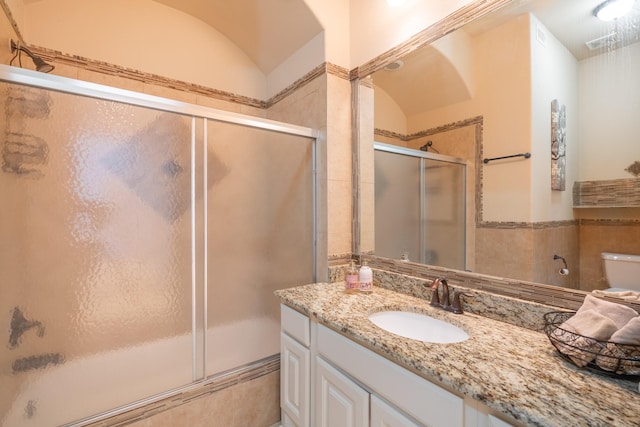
{"x":553,"y":76}
{"x":609,"y":90}
{"x":387,"y":113}
{"x":6,"y":33}
{"x":376,"y":28}
{"x":136,"y":35}
{"x":140,"y":39}
{"x":457,"y":47}
{"x":297,"y":64}
{"x":501,"y":88}
{"x":334,"y":16}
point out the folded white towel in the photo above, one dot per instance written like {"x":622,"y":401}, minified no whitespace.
{"x":620,"y":314}
{"x":629,"y":333}
{"x":625,"y":295}
{"x":621,"y":359}
{"x":591,"y":324}
{"x":591,"y":327}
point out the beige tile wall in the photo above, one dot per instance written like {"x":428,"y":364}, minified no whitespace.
{"x":497,"y":258}
{"x":526,"y":253}
{"x":529,"y":253}
{"x":562,"y":240}
{"x":604,"y":236}
{"x":254,"y":403}
{"x":307,"y":106}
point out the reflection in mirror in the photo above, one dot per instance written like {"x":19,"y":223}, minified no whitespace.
{"x":430,"y":225}
{"x":486,"y":91}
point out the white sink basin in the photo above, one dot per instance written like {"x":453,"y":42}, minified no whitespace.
{"x":418,"y":327}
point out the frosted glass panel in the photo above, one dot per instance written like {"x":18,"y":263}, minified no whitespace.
{"x":397,"y":205}
{"x":260,"y":237}
{"x":95,"y":232}
{"x":444,"y":214}
{"x":419,"y":209}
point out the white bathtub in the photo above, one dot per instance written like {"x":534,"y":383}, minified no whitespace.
{"x":84,"y":387}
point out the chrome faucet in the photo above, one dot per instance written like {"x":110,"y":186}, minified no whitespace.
{"x":445,"y":302}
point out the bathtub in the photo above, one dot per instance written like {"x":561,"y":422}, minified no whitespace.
{"x":84,"y":387}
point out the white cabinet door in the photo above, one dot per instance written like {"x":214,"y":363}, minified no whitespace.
{"x":479,"y":415}
{"x":422,"y":400}
{"x":383,"y":415}
{"x":339,"y":402}
{"x":294,"y":382}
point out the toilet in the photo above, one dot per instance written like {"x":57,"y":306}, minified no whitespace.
{"x":622,"y":271}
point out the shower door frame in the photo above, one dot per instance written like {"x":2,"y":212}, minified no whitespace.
{"x":425,"y":155}
{"x":14,"y":75}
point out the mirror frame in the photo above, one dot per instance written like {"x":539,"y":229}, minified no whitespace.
{"x":555,"y":296}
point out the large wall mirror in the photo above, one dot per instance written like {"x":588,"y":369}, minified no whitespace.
{"x":544,"y":81}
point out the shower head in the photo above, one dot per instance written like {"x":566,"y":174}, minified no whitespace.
{"x":40,"y":64}
{"x":428,"y":145}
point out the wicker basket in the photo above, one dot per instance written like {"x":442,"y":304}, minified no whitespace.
{"x":603,"y":357}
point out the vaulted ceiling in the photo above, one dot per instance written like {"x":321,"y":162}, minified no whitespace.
{"x":428,"y":79}
{"x":267,"y":31}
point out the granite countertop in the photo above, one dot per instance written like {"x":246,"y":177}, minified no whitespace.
{"x":513,"y":370}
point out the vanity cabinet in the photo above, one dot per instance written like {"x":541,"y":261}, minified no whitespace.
{"x":332,"y":380}
{"x":339,"y":402}
{"x":295,"y":368}
{"x":383,"y":415}
{"x":416,"y":398}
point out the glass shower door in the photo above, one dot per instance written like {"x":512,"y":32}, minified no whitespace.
{"x":260,"y":237}
{"x":398,"y":216}
{"x":141,"y":241}
{"x":419,"y":207}
{"x":443,"y":210}
{"x":96,"y":237}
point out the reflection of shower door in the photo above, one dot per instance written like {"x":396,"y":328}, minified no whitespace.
{"x":419,"y":206}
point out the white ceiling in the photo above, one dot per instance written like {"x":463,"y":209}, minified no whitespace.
{"x":268,"y":31}
{"x":570,"y":21}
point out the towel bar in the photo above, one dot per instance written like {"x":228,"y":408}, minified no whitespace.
{"x":525,"y":155}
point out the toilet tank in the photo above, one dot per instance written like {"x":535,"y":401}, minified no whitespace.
{"x":622,"y":271}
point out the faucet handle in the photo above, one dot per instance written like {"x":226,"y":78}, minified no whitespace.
{"x":435,"y":299}
{"x":457,"y":301}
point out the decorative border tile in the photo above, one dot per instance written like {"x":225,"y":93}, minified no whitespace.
{"x":57,"y":57}
{"x":607,"y":193}
{"x":527,"y":225}
{"x":538,"y":293}
{"x":611,"y":222}
{"x":446,"y":25}
{"x":202,"y":389}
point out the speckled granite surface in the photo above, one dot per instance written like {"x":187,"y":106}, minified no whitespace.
{"x":508,"y":368}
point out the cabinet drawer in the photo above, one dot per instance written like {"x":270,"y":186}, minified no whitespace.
{"x":421,"y":399}
{"x":295,"y":325}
